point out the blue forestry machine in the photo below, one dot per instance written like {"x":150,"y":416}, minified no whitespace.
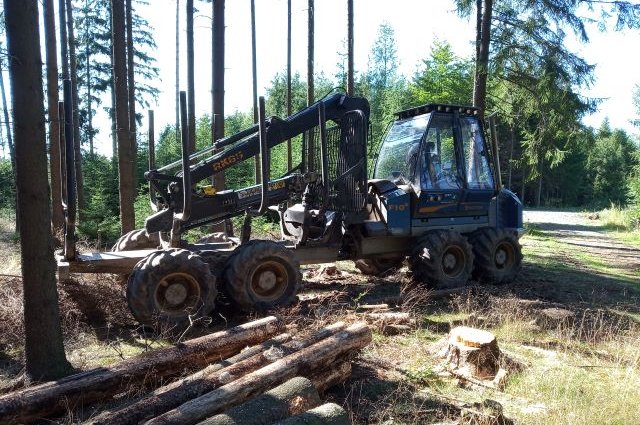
{"x":435,"y":199}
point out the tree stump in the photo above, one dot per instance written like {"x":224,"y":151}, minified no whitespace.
{"x":473,"y":352}
{"x":553,"y":318}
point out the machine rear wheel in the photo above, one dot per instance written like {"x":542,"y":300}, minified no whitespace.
{"x":170,"y":286}
{"x":498,"y":255}
{"x":442,"y":259}
{"x":261,"y":275}
{"x":377,"y":265}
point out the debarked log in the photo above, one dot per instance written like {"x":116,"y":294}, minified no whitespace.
{"x":50,"y":398}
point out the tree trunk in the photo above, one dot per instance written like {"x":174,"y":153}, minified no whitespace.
{"x":293,"y":397}
{"x":289,"y":152}
{"x":258,"y":172}
{"x":12,"y":152}
{"x":327,"y":414}
{"x":316,"y":357}
{"x":217,"y":86}
{"x":539,"y":192}
{"x":57,"y":218}
{"x":524,"y":184}
{"x":97,"y":384}
{"x":513,"y":141}
{"x":44,"y":349}
{"x":173,"y":395}
{"x":125,"y":156}
{"x":191,"y":87}
{"x":178,"y":71}
{"x":131,"y":88}
{"x":310,"y":82}
{"x":483,"y":39}
{"x":73,"y":70}
{"x":350,"y":69}
{"x":87,"y":53}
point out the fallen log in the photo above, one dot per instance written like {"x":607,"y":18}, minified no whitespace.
{"x":51,"y":398}
{"x":373,"y":307}
{"x":327,"y":414}
{"x":316,"y":357}
{"x":323,"y":380}
{"x":295,"y":396}
{"x":181,"y":391}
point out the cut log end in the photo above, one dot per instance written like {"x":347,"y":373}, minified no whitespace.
{"x":327,"y":414}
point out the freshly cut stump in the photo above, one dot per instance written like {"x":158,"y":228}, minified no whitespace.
{"x":473,"y":352}
{"x":295,"y":396}
{"x":327,"y":414}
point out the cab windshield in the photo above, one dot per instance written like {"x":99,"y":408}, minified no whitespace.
{"x":396,"y":160}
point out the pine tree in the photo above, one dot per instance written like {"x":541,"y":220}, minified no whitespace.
{"x":44,"y":349}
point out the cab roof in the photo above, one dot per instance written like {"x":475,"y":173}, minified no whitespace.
{"x":436,"y":107}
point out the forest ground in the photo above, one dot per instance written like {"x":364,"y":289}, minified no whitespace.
{"x":582,"y":369}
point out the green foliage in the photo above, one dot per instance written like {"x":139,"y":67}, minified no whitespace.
{"x":101,"y":190}
{"x":443,"y":78}
{"x":382,"y":85}
{"x":610,"y":164}
{"x":7,"y":185}
{"x":92,"y":22}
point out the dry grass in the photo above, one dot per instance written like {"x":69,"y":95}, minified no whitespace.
{"x":585,"y":370}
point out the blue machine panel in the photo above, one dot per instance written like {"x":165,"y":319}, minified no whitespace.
{"x":398,"y":212}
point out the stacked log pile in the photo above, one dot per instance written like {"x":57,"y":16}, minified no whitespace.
{"x":225,"y":381}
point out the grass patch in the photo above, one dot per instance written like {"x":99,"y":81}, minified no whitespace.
{"x":578,"y":390}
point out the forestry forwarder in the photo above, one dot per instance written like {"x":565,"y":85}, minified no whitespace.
{"x":436,"y":198}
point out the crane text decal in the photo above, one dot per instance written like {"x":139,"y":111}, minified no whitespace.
{"x":228,"y":161}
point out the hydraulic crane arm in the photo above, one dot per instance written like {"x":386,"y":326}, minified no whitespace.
{"x":278,"y":131}
{"x":241,"y":147}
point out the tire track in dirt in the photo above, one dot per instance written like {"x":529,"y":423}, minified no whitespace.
{"x":584,"y":236}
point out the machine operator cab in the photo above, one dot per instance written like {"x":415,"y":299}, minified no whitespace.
{"x":438,"y":155}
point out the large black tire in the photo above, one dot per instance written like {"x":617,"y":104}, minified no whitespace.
{"x":170,"y":287}
{"x":442,"y":259}
{"x":498,"y":255}
{"x":376,"y":265}
{"x":262,"y":275}
{"x":136,"y":239}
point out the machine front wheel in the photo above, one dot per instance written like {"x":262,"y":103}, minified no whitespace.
{"x":171,"y":286}
{"x":498,"y":255}
{"x":261,"y":275}
{"x":442,"y":259}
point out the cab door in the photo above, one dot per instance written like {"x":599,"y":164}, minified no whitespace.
{"x":478,"y":175}
{"x":438,"y":174}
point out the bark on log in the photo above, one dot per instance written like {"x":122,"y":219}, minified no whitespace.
{"x":327,"y":414}
{"x":51,"y":398}
{"x":173,"y":395}
{"x":295,"y":396}
{"x":336,"y":375}
{"x":303,"y":362}
{"x":473,"y":353}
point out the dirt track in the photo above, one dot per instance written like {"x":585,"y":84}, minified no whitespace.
{"x":584,"y":236}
